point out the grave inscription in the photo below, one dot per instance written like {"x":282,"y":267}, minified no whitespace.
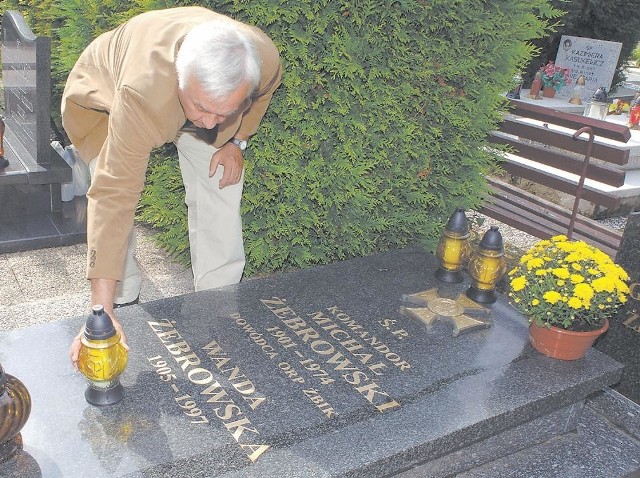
{"x":26,"y":70}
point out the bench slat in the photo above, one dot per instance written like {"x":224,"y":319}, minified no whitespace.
{"x":602,"y":173}
{"x":538,"y":205}
{"x":561,"y":184}
{"x":609,"y":153}
{"x":617,"y":132}
{"x":505,"y":213}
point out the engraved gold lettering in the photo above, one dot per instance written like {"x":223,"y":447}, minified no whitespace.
{"x":320,"y":402}
{"x":311,"y":337}
{"x":182,"y":354}
{"x":290,"y":372}
{"x":355,"y":378}
{"x":157,"y":326}
{"x":371,"y":392}
{"x":218,"y":393}
{"x":178,"y":348}
{"x":230,"y":410}
{"x":351,"y":345}
{"x":240,"y":428}
{"x":191,"y":359}
{"x":200,"y":376}
{"x":342,"y":364}
{"x":170,"y":334}
{"x":256,"y":450}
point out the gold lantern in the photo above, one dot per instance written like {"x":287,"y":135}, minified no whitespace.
{"x":102,"y":359}
{"x":15,"y":407}
{"x":453,"y":249}
{"x":486,"y":267}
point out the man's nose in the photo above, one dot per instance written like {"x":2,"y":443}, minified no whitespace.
{"x":211,"y":120}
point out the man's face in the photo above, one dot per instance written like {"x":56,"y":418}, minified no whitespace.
{"x":204,"y":112}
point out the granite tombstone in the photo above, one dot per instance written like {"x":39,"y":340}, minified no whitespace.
{"x":320,"y":372}
{"x":31,"y":211}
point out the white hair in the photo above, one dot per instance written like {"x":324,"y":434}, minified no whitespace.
{"x":221,"y":56}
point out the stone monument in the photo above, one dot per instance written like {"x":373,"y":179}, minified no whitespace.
{"x":315,"y":373}
{"x":31,"y":211}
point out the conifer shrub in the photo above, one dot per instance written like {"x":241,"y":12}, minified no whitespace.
{"x":377,"y":132}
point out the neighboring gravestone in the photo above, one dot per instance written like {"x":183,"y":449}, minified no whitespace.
{"x":26,"y":79}
{"x":596,"y":60}
{"x":622,"y":341}
{"x":31,"y":211}
{"x":316,"y":373}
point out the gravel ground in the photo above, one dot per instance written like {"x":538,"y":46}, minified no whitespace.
{"x":520,"y":241}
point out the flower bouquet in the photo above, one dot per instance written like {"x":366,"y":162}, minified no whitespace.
{"x":568,"y":290}
{"x":554,"y":77}
{"x":567,"y":284}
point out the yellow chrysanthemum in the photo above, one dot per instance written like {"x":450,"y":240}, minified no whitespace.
{"x":603,"y":284}
{"x":561,"y":273}
{"x":535,"y":263}
{"x":575,"y":303}
{"x":518,"y":283}
{"x":583,"y":291}
{"x":577,"y":278}
{"x":552,"y":296}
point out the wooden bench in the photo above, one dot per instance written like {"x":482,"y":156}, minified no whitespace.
{"x":568,"y":153}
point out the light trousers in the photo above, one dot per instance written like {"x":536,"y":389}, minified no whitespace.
{"x":215,"y":224}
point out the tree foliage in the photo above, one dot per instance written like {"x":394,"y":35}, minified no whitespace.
{"x":377,"y":132}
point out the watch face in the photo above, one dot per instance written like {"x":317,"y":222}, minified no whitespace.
{"x":240,"y":143}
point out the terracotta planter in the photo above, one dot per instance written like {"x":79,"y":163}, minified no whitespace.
{"x":549,"y":92}
{"x":563,"y":344}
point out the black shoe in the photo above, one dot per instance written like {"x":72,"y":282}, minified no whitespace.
{"x":133,"y":302}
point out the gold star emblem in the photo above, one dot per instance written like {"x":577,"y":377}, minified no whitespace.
{"x":428,"y":306}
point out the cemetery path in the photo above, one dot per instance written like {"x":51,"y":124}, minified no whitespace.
{"x":45,"y":285}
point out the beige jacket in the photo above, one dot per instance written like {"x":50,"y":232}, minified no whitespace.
{"x":121,"y":101}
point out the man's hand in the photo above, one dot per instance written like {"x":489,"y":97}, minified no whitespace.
{"x":103,"y":292}
{"x":230,"y":157}
{"x":74,"y":350}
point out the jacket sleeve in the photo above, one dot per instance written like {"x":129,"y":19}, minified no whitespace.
{"x":117,"y":183}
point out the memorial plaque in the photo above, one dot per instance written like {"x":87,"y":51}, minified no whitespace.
{"x":596,"y":60}
{"x":26,"y":77}
{"x":313,"y":373}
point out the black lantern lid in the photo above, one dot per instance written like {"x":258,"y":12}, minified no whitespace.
{"x":99,"y":325}
{"x":601,"y":95}
{"x":458,"y":222}
{"x":492,"y":240}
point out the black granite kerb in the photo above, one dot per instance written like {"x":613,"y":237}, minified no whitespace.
{"x":622,"y":341}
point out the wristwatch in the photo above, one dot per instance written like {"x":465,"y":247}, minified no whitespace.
{"x":240,"y":143}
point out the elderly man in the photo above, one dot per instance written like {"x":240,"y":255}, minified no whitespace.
{"x":183,"y":75}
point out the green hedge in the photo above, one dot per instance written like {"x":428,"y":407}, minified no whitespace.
{"x":377,"y":132}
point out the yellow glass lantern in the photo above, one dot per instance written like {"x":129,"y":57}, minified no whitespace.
{"x":486,"y":267}
{"x":102,"y":359}
{"x":453,"y":248}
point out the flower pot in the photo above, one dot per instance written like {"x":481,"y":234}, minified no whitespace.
{"x":549,"y":92}
{"x":563,"y":344}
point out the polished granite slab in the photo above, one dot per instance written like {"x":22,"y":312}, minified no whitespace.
{"x":37,"y":230}
{"x":312,"y":373}
{"x":622,"y":341}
